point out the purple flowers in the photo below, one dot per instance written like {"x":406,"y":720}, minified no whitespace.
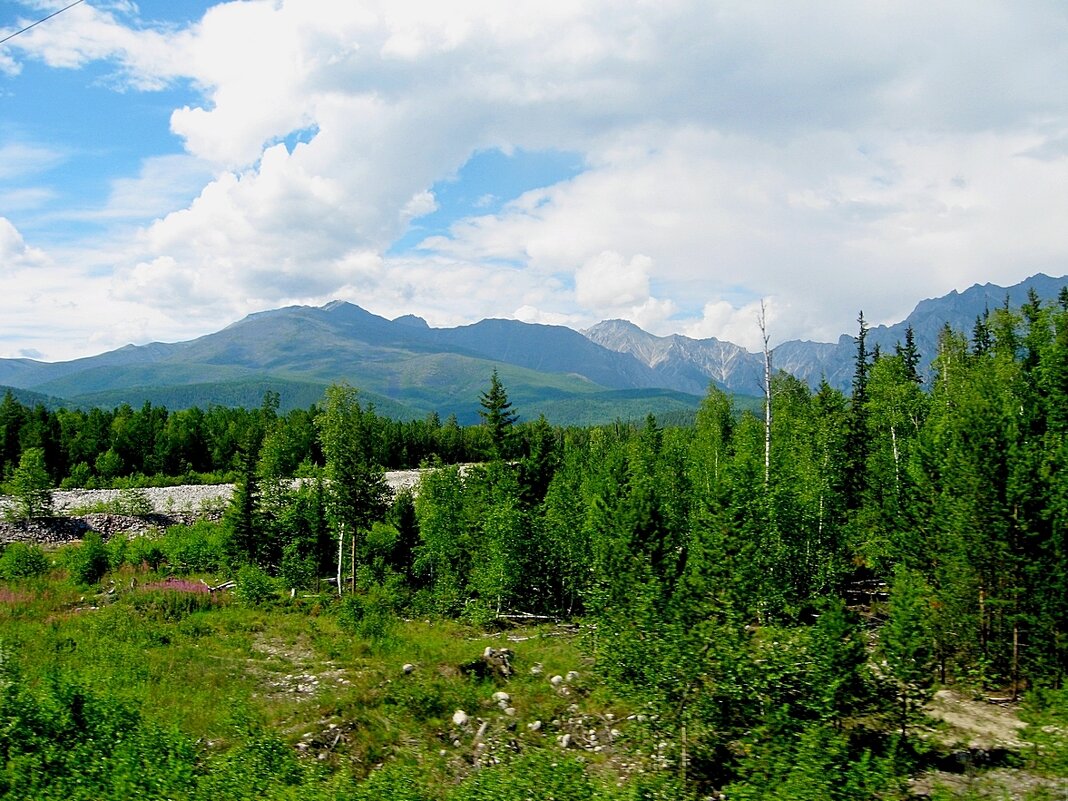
{"x":178,"y":585}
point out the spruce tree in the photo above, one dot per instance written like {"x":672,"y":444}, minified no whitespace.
{"x":857,"y":437}
{"x":498,"y":416}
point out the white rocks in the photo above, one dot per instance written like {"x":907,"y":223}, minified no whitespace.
{"x":510,"y":711}
{"x":460,"y":718}
{"x":572,"y":676}
{"x":556,"y":681}
{"x":535,"y":725}
{"x":564,"y":740}
{"x":408,"y":668}
{"x":536,"y":669}
{"x":501,"y":696}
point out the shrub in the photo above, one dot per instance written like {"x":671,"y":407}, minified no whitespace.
{"x":31,"y":486}
{"x":21,"y":560}
{"x":200,"y":548}
{"x":297,"y":570}
{"x":534,"y":775}
{"x":371,"y":614}
{"x":172,"y":600}
{"x":144,"y":550}
{"x":88,"y":562}
{"x":254,"y":587}
{"x":133,"y":501}
{"x":117,"y":548}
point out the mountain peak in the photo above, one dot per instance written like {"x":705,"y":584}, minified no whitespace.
{"x":339,"y":305}
{"x":411,"y":320}
{"x":616,"y":323}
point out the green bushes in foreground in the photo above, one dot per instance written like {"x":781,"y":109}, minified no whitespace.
{"x":21,"y":560}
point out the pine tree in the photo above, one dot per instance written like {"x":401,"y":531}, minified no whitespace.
{"x":857,"y":438}
{"x":498,"y":416}
{"x":910,"y":355}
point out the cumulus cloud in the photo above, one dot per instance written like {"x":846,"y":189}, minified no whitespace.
{"x":15,"y":254}
{"x":828,"y":158}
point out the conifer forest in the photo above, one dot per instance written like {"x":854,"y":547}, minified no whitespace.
{"x":742,"y":606}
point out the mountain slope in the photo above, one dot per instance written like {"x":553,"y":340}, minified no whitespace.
{"x":409,"y":368}
{"x":683,"y":363}
{"x":405,"y":366}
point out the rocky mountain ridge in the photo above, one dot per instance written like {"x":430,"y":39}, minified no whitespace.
{"x":408,"y":369}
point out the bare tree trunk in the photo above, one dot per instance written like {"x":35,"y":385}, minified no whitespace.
{"x":684,"y":756}
{"x":982,"y":619}
{"x":762,"y":321}
{"x":897,"y":474}
{"x":352,"y":564}
{"x":340,"y":553}
{"x":1015,"y":657}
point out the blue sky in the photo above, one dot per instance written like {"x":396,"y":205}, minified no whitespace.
{"x":166,"y":168}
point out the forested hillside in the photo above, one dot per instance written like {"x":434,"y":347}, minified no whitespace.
{"x":773,"y":597}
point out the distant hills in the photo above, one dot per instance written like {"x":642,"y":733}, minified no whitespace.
{"x":408,"y":369}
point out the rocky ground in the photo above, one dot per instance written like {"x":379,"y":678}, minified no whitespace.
{"x":985,"y":742}
{"x":167,"y":506}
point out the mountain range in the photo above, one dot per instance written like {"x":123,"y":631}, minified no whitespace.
{"x":408,"y":369}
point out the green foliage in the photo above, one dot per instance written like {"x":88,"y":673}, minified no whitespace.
{"x":817,"y":763}
{"x":23,"y":560}
{"x":395,"y":782}
{"x":498,"y":416}
{"x":722,"y":604}
{"x":203,"y":547}
{"x":31,"y":486}
{"x":130,"y":501}
{"x":297,"y":570}
{"x":62,"y":740}
{"x":443,"y":557}
{"x":1046,"y":713}
{"x":534,"y":775}
{"x":370,"y":614}
{"x":906,"y":645}
{"x":172,"y":602}
{"x":87,"y":562}
{"x":254,"y":586}
{"x":141,"y":551}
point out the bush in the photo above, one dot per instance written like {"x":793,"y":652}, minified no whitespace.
{"x":371,"y":615}
{"x":88,"y":562}
{"x":254,"y":587}
{"x":21,"y":560}
{"x":134,"y":502}
{"x":31,"y":486}
{"x":144,"y":550}
{"x":200,"y":548}
{"x":297,"y":570}
{"x":170,"y":602}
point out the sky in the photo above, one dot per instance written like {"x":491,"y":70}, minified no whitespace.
{"x":169,"y":167}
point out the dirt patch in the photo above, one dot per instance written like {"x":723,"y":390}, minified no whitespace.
{"x":982,"y":742}
{"x":291,"y":670}
{"x":976,"y":724}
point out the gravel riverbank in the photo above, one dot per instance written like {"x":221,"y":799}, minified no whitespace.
{"x":169,"y":505}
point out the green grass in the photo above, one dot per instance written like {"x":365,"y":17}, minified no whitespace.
{"x":222,"y":677}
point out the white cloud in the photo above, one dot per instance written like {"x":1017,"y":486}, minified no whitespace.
{"x":608,"y":281}
{"x":15,"y":254}
{"x":19,"y":158}
{"x":831,"y":158}
{"x":420,"y":204}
